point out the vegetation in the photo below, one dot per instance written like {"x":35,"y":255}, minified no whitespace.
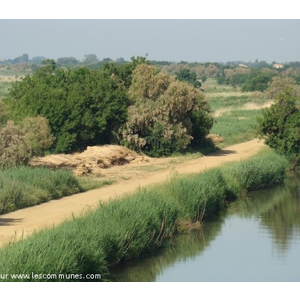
{"x":83,"y":107}
{"x":28,"y":186}
{"x":257,"y":81}
{"x":280,"y":125}
{"x":25,"y":186}
{"x":18,"y":143}
{"x":166,"y":115}
{"x":236,"y":126}
{"x":134,"y":225}
{"x":66,"y":109}
{"x":186,"y":75}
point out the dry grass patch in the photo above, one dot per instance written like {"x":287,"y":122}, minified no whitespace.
{"x":92,"y":160}
{"x":247,"y":106}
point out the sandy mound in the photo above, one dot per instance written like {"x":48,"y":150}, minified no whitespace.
{"x":92,"y":160}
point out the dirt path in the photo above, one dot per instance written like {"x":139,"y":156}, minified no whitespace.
{"x":25,"y":221}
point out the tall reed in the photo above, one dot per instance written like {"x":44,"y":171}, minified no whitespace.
{"x":135,"y":224}
{"x":25,"y":186}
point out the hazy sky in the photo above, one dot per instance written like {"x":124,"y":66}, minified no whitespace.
{"x":215,"y":40}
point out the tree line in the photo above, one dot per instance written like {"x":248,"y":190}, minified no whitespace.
{"x":131,"y":104}
{"x":158,"y":110}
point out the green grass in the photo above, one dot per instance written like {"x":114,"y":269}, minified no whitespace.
{"x":236,"y":118}
{"x":236,"y":126}
{"x":211,"y":86}
{"x":136,"y":224}
{"x":233,"y":102}
{"x":26,"y":186}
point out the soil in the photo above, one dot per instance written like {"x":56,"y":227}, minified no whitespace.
{"x":138,"y":171}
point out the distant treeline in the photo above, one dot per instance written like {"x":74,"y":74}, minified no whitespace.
{"x":93,"y":61}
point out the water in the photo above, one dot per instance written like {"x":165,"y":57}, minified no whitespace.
{"x":257,"y":240}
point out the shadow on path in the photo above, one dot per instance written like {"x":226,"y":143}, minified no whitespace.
{"x":9,"y":221}
{"x":222,"y":153}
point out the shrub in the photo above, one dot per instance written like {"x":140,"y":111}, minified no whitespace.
{"x":280,"y":125}
{"x":18,"y":143}
{"x":84,"y":107}
{"x":257,"y":81}
{"x":165,"y":115}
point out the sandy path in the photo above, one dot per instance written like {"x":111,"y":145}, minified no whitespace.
{"x":25,"y":221}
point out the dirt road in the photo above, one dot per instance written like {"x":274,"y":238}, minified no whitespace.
{"x":25,"y":221}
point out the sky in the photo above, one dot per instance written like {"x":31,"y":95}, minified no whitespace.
{"x":189,"y":30}
{"x":192,"y":40}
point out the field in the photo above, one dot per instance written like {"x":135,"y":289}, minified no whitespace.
{"x":235,"y":112}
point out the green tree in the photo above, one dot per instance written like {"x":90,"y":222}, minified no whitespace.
{"x":67,"y":62}
{"x":90,"y":59}
{"x":165,"y":114}
{"x":257,"y":81}
{"x":186,"y":75}
{"x":279,"y":84}
{"x":280,"y":125}
{"x":84,"y":107}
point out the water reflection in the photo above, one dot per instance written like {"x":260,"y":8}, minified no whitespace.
{"x":278,"y":210}
{"x":257,"y":240}
{"x":180,"y":249}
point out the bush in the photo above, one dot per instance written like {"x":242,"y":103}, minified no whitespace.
{"x":18,"y":143}
{"x":279,"y":84}
{"x":84,"y":107}
{"x":280,"y":125}
{"x":257,"y":81}
{"x":165,"y":116}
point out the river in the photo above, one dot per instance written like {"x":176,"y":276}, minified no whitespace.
{"x":256,"y":240}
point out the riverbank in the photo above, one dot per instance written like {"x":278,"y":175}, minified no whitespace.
{"x":135,"y":224}
{"x":129,"y":178}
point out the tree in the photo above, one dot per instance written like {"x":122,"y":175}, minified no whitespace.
{"x":84,"y":107}
{"x":90,"y":59}
{"x":257,"y":81}
{"x":18,"y":143}
{"x":67,"y":62}
{"x":186,"y":75}
{"x":280,"y":125}
{"x":165,"y":114}
{"x":279,"y":84}
{"x":38,"y":59}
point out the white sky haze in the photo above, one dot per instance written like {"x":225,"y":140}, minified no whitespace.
{"x":215,"y":40}
{"x":216,"y":31}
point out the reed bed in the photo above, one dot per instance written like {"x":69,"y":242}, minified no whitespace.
{"x":25,"y":186}
{"x":134,"y":225}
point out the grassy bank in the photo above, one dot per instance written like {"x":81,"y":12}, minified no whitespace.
{"x":134,"y":225}
{"x":236,"y":112}
{"x":26,"y":186}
